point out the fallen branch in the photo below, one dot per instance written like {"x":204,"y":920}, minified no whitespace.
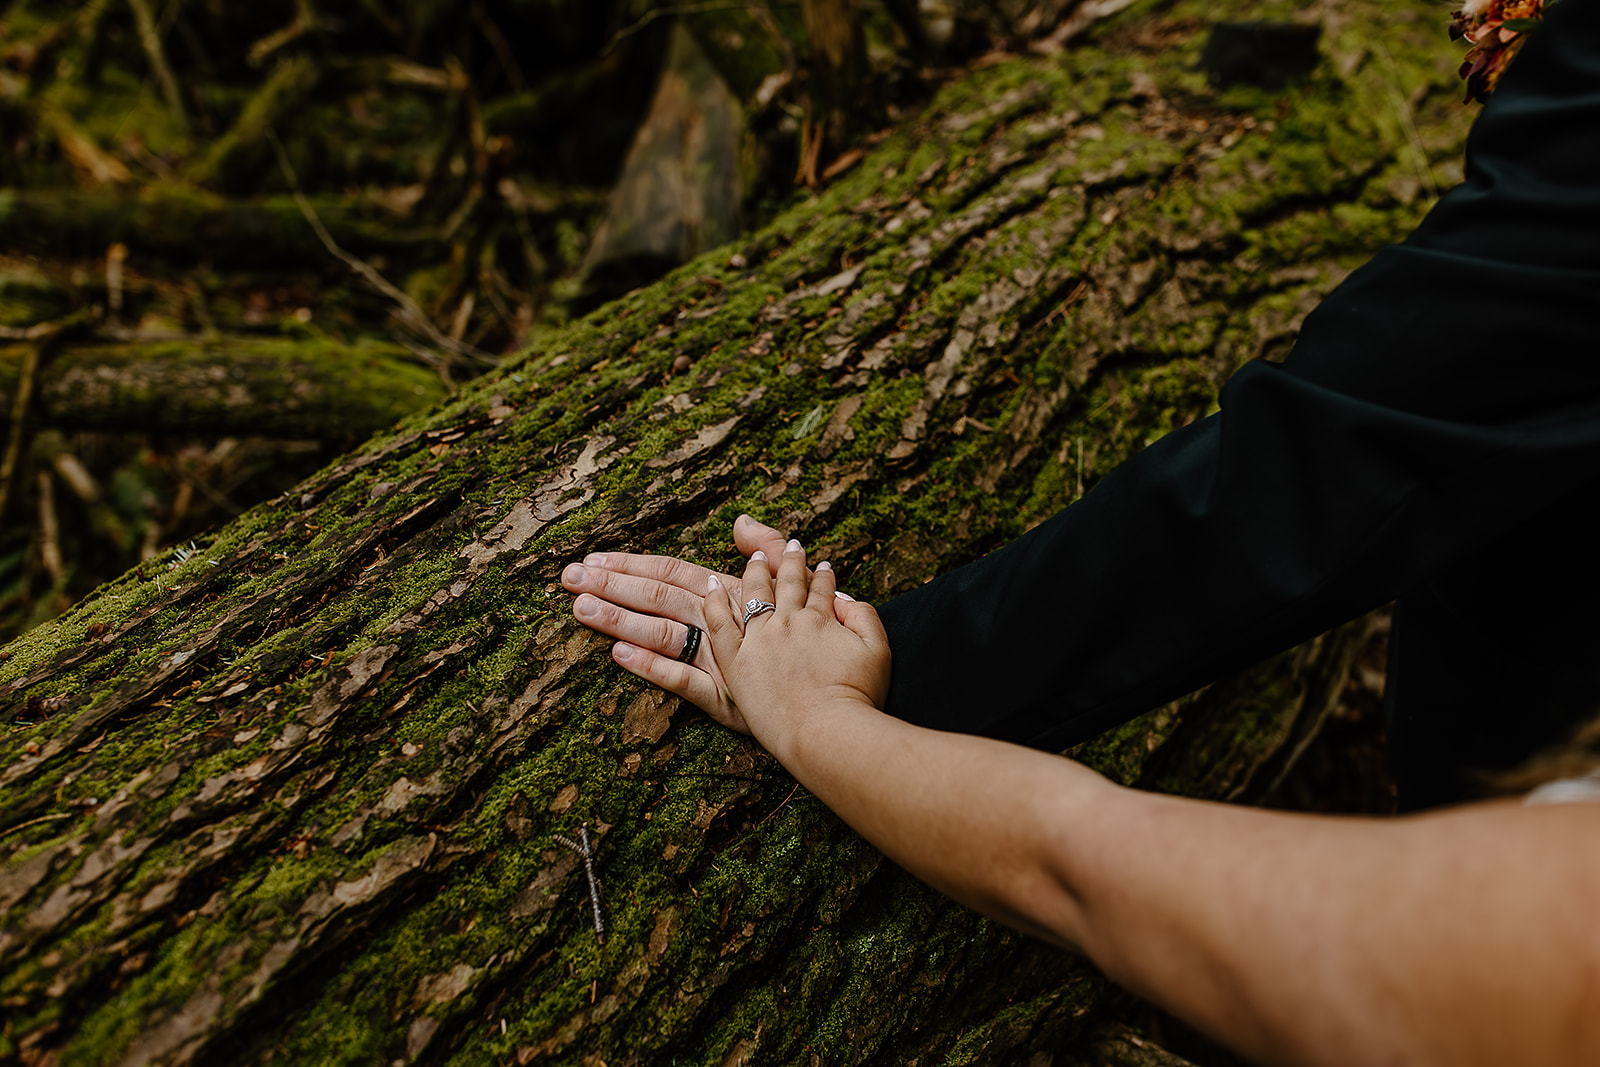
{"x":150,"y":38}
{"x":45,"y":337}
{"x":409,"y":311}
{"x":1081,"y":19}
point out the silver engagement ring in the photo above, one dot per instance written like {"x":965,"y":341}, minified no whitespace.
{"x":752,"y":608}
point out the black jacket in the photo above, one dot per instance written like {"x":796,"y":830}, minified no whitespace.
{"x":1440,"y":411}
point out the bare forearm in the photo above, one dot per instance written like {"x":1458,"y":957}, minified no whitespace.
{"x":1462,"y":938}
{"x":970,"y":816}
{"x":1294,"y":939}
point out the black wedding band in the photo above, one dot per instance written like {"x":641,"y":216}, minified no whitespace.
{"x":691,"y":645}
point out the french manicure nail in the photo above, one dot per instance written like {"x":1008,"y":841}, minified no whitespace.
{"x":794,"y":546}
{"x":758,"y":554}
{"x":824,"y":566}
{"x":712,"y":583}
{"x":844,"y":596}
{"x":574,"y":574}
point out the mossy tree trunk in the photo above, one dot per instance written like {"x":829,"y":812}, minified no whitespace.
{"x":296,"y":795}
{"x":312,"y":388}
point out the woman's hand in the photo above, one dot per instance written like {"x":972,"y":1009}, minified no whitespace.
{"x":649,"y":603}
{"x":814,"y":649}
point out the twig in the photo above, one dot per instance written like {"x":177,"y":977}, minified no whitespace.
{"x":216,"y":497}
{"x":664,"y":12}
{"x":150,"y":38}
{"x":36,"y":332}
{"x":410,"y":313}
{"x":502,"y":47}
{"x":116,"y":256}
{"x":45,"y":337}
{"x":583,"y":848}
{"x":34,"y":822}
{"x":1082,"y":17}
{"x":305,"y":21}
{"x":780,"y":807}
{"x":50,"y":529}
{"x":1403,"y":107}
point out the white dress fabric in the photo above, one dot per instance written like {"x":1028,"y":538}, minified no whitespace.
{"x":1567,"y":790}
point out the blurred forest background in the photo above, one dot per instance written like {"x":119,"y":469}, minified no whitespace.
{"x":236,"y":239}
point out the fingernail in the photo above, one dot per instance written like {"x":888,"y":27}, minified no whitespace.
{"x":586,"y":607}
{"x":574,"y":574}
{"x":712,"y":583}
{"x":794,"y":546}
{"x":622,"y":652}
{"x":844,"y":596}
{"x":595,"y":559}
{"x":758,"y":554}
{"x":824,"y":566}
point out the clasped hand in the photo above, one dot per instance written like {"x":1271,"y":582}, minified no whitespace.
{"x":819,"y":645}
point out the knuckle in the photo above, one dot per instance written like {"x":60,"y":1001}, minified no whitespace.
{"x":657,"y":596}
{"x":674,"y":676}
{"x":663,"y":635}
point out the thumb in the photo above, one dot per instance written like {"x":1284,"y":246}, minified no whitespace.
{"x":862,"y":620}
{"x":750,"y":536}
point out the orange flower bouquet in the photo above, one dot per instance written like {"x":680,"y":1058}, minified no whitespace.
{"x":1496,"y":30}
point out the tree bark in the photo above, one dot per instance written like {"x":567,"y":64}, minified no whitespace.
{"x":296,"y":795}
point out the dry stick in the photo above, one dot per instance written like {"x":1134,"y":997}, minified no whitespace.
{"x":410,"y":313}
{"x":150,"y":38}
{"x":16,"y":443}
{"x":116,"y":256}
{"x":50,"y":529}
{"x":305,"y":21}
{"x":89,"y":17}
{"x":34,"y":822}
{"x":1403,"y":107}
{"x":1084,"y":16}
{"x":586,"y":851}
{"x":667,"y":12}
{"x":502,"y":47}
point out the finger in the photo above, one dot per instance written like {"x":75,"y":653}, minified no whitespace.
{"x":722,"y":627}
{"x":663,"y":636}
{"x":757,"y":583}
{"x":793,"y":579}
{"x":648,"y":596}
{"x":679,"y":679}
{"x":690,"y":577}
{"x":823,"y":584}
{"x":750,"y":537}
{"x":841,"y":604}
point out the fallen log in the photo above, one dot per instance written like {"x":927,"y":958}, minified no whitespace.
{"x":309,"y":389}
{"x":297,"y":795}
{"x":182,"y":225}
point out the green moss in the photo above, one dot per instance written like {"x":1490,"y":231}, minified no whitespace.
{"x":839,"y":943}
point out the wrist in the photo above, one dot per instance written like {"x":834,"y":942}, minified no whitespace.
{"x":789,"y":733}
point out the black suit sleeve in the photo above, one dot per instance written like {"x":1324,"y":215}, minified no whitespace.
{"x":1445,"y":394}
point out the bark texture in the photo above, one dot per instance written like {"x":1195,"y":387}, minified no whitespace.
{"x":295,"y":796}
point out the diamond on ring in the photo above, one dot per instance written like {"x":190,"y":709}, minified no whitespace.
{"x":754,"y":607}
